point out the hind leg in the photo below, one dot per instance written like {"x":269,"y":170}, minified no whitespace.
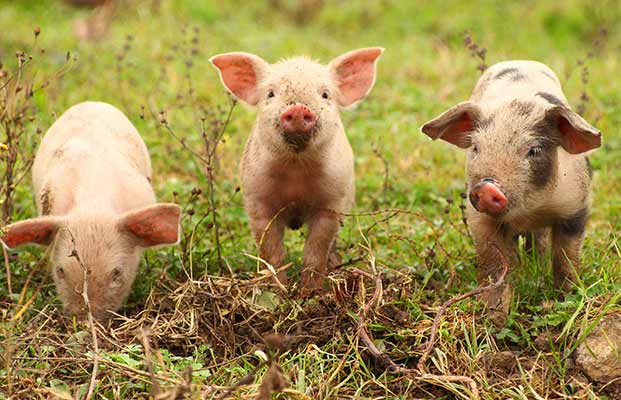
{"x":537,"y":241}
{"x":567,"y":238}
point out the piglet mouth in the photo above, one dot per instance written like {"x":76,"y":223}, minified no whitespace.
{"x":298,"y":141}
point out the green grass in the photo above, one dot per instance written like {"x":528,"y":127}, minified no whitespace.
{"x":424,"y":70}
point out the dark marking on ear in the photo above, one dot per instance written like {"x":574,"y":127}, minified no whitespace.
{"x":589,"y":167}
{"x":513,"y":73}
{"x":576,"y":224}
{"x":550,"y":98}
{"x":544,"y":167}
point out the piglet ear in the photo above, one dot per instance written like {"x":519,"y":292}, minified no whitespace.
{"x":153,"y":225}
{"x":576,"y":135}
{"x":454,"y":125}
{"x":240,"y":74}
{"x":39,"y":231}
{"x":355,"y":73}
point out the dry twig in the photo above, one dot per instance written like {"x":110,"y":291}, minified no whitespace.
{"x":91,"y":321}
{"x":419,"y":373}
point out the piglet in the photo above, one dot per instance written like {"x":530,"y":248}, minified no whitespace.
{"x":92,"y":183}
{"x":527,"y":169}
{"x":298,"y":165}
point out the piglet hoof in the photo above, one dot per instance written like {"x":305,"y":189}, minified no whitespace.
{"x":564,"y":283}
{"x":312,"y":284}
{"x":498,"y":302}
{"x":333,"y":261}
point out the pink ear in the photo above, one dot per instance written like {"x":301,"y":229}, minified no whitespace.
{"x":38,"y":231}
{"x":153,"y":225}
{"x":240,"y":74}
{"x":577,"y":135}
{"x":454,"y":125}
{"x":355,"y":73}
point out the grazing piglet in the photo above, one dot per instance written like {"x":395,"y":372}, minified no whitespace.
{"x":91,"y":179}
{"x":298,"y":164}
{"x":527,"y":168}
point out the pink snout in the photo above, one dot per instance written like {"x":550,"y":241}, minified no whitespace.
{"x":298,"y":118}
{"x":486,"y":197}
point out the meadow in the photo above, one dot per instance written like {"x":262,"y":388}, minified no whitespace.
{"x":202,"y":320}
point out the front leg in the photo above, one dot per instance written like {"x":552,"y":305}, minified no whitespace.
{"x":490,"y":237}
{"x":567,"y":238}
{"x":323,"y":227}
{"x":268,"y":234}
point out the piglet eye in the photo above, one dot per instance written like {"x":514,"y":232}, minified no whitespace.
{"x":116,"y":274}
{"x":325,"y":95}
{"x":535,"y":151}
{"x":60,"y":272}
{"x":475,"y":149}
{"x":270,"y":94}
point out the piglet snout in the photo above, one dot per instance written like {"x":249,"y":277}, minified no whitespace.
{"x":298,"y":118}
{"x":486,"y":197}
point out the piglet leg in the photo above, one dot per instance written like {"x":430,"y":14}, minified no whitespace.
{"x":567,"y":238}
{"x":322,"y":230}
{"x":269,"y":239}
{"x":489,"y":238}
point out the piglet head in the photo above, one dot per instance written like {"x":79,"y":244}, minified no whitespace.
{"x":298,"y":100}
{"x":513,"y":151}
{"x":102,"y":250}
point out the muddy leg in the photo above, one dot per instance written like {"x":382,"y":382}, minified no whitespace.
{"x":488,"y":237}
{"x":322,"y":230}
{"x":333,"y":258}
{"x":270,"y":243}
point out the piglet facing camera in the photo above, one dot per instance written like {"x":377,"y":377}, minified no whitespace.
{"x":298,"y":166}
{"x":97,"y":208}
{"x":527,"y":168}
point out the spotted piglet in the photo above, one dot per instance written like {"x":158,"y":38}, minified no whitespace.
{"x":527,"y":169}
{"x":298,"y":165}
{"x":92,"y":183}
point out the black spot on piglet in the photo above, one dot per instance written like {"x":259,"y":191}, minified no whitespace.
{"x":575,"y":225}
{"x":550,"y":98}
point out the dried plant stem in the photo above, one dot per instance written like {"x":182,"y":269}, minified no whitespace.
{"x":155,"y":386}
{"x":210,"y":150}
{"x":386,"y":184}
{"x":91,"y":321}
{"x":418,"y":373}
{"x":436,"y":321}
{"x":7,"y":266}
